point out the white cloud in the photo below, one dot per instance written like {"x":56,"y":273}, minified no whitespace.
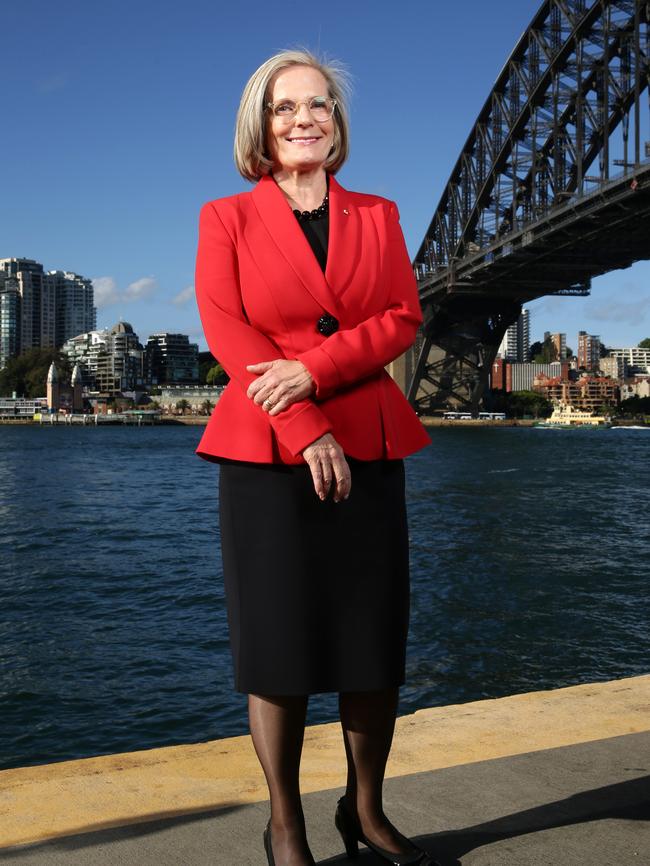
{"x":185,"y":295}
{"x":139,"y":289}
{"x":107,"y":292}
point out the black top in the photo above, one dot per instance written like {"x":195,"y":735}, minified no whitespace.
{"x":317,"y":233}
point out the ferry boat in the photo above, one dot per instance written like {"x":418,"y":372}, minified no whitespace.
{"x":565,"y":416}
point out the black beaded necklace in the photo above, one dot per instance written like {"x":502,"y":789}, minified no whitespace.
{"x":316,"y":213}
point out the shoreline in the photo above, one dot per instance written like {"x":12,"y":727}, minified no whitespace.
{"x":426,"y":420}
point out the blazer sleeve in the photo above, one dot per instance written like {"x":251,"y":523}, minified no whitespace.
{"x":349,"y":355}
{"x":233,"y":341}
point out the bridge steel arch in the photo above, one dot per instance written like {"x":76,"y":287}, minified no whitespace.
{"x":551,"y":188}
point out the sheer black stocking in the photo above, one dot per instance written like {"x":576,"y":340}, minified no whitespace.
{"x":368,"y":723}
{"x":277,"y":725}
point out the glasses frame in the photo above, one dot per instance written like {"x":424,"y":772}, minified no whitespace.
{"x":289,"y":117}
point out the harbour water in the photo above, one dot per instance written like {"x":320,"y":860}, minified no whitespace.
{"x":529,"y":565}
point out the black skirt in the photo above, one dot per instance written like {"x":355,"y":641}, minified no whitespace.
{"x":317,"y":592}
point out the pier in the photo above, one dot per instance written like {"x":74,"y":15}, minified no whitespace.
{"x":549,"y":777}
{"x":134,"y":417}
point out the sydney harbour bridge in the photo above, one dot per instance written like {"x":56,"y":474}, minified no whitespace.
{"x":551,"y":188}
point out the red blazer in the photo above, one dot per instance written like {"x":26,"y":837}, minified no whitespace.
{"x":260,"y":293}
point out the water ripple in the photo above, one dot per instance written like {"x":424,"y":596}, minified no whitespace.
{"x":528,"y":560}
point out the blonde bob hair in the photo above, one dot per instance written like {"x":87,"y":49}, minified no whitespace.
{"x":251,"y":151}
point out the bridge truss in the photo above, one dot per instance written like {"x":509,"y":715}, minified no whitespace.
{"x":551,"y":188}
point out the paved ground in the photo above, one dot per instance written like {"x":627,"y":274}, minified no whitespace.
{"x":573,"y":805}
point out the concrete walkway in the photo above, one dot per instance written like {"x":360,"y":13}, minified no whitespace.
{"x":556,"y":777}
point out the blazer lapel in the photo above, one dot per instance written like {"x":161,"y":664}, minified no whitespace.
{"x":344,"y":246}
{"x":287,"y":235}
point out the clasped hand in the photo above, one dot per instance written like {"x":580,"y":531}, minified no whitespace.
{"x":284,"y":382}
{"x":281,"y":382}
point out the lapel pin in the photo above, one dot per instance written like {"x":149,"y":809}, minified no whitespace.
{"x":346,"y":211}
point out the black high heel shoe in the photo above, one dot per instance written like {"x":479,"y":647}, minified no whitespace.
{"x":267,"y":844}
{"x":348,"y":826}
{"x":268,"y":848}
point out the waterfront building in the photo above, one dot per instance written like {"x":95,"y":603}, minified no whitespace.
{"x":21,"y":407}
{"x":111,"y":361}
{"x":637,"y":360}
{"x":588,"y":351}
{"x":170,"y":359}
{"x":516,"y":340}
{"x":507,"y":376}
{"x":62,"y":396}
{"x":196,"y":397}
{"x":587,"y":392}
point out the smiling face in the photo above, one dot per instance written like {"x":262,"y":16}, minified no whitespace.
{"x":301,"y":143}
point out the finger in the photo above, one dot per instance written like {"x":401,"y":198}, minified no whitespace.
{"x":343,"y":479}
{"x":265,"y":393}
{"x":282,"y":404}
{"x":260,"y":367}
{"x":316,"y":474}
{"x":327,"y":475}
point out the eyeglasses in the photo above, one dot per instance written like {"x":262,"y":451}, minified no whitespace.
{"x":320,"y":107}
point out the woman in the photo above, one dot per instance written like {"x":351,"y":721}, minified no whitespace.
{"x":306,"y":292}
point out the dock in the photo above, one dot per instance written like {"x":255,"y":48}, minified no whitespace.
{"x":550,"y":777}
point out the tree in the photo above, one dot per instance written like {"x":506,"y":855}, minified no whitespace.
{"x":520,"y":403}
{"x":206,"y":407}
{"x":216,"y":375}
{"x":635,"y":405}
{"x":182,"y":405}
{"x":645,"y":344}
{"x":206,"y":361}
{"x":535,"y":349}
{"x":547,"y":354}
{"x":569,"y":352}
{"x":27,"y":374}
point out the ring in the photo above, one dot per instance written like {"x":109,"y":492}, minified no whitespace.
{"x":268,"y":402}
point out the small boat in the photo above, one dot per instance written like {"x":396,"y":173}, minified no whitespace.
{"x":565,"y":417}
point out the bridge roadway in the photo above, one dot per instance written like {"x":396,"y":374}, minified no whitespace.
{"x":588,"y":236}
{"x":552,"y":777}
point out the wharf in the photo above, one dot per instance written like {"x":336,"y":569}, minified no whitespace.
{"x":550,"y":777}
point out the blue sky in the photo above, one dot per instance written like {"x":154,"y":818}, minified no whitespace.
{"x":118,"y":121}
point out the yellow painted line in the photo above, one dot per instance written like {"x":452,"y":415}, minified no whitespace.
{"x":80,"y":796}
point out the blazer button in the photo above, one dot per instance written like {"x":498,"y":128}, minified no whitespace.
{"x":327,"y":324}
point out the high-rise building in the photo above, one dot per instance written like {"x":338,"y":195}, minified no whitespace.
{"x":41,"y":310}
{"x":37,"y":302}
{"x":516,"y":340}
{"x":559,"y":341}
{"x":110,"y":360}
{"x":172,"y":360}
{"x":10,"y":324}
{"x":75,"y":310}
{"x":588,"y":351}
{"x":636,"y":359}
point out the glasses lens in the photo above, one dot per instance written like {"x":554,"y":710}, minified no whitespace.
{"x":287,"y":108}
{"x":321,"y":107}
